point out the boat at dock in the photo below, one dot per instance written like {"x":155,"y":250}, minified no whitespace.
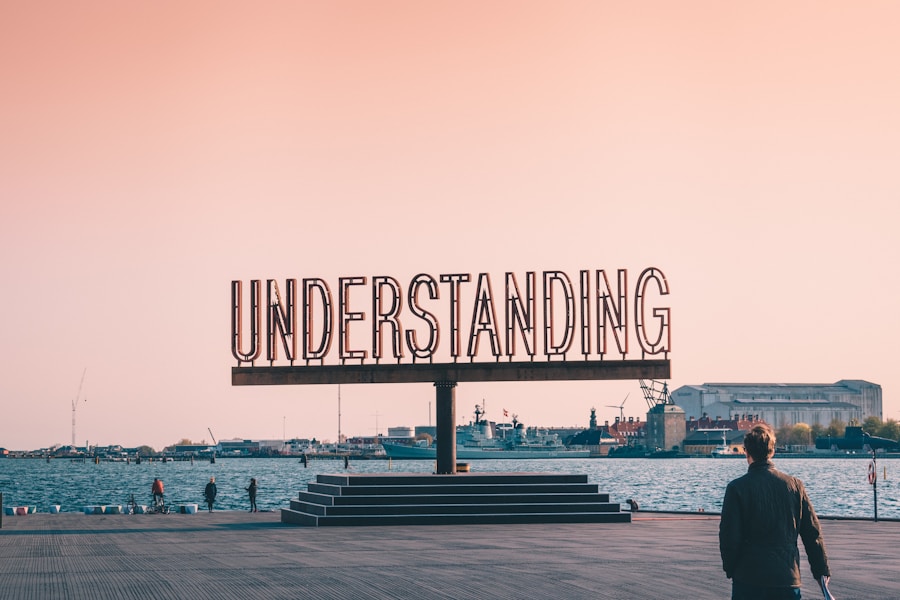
{"x":483,"y":439}
{"x":723,"y":450}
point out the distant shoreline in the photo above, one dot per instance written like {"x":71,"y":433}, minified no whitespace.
{"x":356,"y":457}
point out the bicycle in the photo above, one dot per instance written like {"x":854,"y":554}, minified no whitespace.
{"x":131,"y":507}
{"x":158,"y":506}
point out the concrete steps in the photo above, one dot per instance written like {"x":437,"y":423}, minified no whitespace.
{"x":471,"y":498}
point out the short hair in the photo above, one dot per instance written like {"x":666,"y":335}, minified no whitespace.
{"x":760,"y":442}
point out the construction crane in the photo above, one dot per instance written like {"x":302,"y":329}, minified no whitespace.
{"x":75,"y":402}
{"x":212,"y":457}
{"x":656,"y":393}
{"x":621,"y":408}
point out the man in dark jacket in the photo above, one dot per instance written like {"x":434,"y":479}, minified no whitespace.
{"x":763,"y":513}
{"x":210,"y":493}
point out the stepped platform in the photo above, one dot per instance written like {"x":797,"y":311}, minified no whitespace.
{"x":463,"y":498}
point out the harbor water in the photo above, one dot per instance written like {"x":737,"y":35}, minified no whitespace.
{"x":838,"y":486}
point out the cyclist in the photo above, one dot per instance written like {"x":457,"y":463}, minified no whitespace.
{"x":157,"y":490}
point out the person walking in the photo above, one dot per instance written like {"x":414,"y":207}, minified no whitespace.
{"x":763,"y":513}
{"x":251,"y":491}
{"x":210,"y":493}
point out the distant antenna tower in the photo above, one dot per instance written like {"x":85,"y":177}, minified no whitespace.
{"x":376,"y":415}
{"x":75,"y":402}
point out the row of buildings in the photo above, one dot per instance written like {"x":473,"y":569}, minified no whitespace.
{"x":712,"y":418}
{"x":692,"y":419}
{"x":702,"y":419}
{"x":781,"y":404}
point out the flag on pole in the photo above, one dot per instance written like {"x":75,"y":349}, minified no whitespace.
{"x":505,"y":414}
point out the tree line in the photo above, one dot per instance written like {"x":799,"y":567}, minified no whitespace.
{"x":802,"y":434}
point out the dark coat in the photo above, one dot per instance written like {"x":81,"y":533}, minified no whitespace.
{"x":210,"y":492}
{"x":763,"y":513}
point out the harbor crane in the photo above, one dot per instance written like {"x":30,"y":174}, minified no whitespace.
{"x":656,"y":393}
{"x":75,"y":402}
{"x":621,"y":408}
{"x":212,"y":457}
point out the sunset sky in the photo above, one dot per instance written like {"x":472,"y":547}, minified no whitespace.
{"x":152,"y":152}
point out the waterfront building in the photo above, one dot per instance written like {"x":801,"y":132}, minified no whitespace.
{"x":666,"y":427}
{"x":563,"y":433}
{"x":738,"y":423}
{"x":706,"y":436}
{"x":709,"y":442}
{"x":269,"y":447}
{"x":630,"y":432}
{"x":602,"y":439}
{"x":193,"y":450}
{"x":599,"y":440}
{"x":239,"y":447}
{"x":426,"y":430}
{"x":780,"y":404}
{"x":296,"y":446}
{"x":402,"y":431}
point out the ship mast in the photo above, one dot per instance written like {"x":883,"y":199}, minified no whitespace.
{"x":75,"y":406}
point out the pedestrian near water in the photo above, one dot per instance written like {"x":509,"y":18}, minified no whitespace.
{"x":210,"y":493}
{"x":157,"y":490}
{"x":251,"y":491}
{"x":763,"y":513}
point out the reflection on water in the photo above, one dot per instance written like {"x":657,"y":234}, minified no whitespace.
{"x":838,"y":487}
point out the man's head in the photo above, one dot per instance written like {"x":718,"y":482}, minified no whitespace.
{"x":760,"y":443}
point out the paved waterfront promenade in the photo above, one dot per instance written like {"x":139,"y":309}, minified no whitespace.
{"x":247,"y":556}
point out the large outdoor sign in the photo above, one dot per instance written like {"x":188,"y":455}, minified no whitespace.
{"x":451,"y":317}
{"x":451,"y":328}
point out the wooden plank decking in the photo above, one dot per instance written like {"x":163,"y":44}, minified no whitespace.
{"x":244,"y":556}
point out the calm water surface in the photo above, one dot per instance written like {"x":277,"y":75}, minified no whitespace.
{"x":838,"y":487}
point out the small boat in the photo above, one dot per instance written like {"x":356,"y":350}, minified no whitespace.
{"x":724,"y":451}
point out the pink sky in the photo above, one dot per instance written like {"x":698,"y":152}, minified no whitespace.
{"x":150,"y":153}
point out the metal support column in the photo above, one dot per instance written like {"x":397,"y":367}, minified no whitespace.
{"x":445,"y":412}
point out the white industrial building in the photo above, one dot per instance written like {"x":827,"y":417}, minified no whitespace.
{"x":781,"y":404}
